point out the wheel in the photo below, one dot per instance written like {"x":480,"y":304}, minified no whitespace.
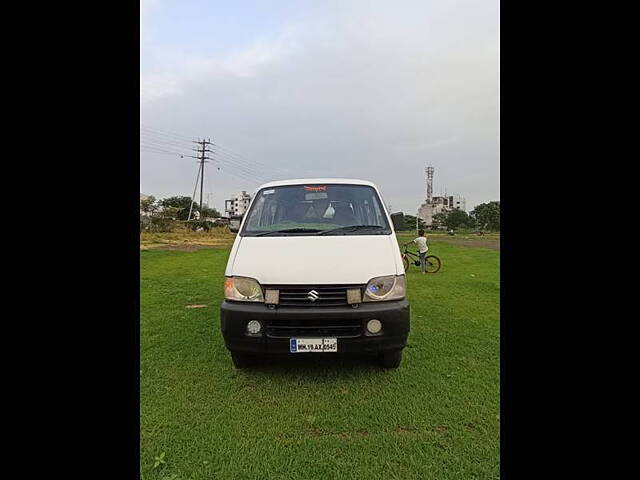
{"x":405,"y":260}
{"x":242,"y":360}
{"x":433,"y":264}
{"x":391,"y":359}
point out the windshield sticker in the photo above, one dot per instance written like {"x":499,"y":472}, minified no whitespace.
{"x":315,"y":196}
{"x":268,"y":192}
{"x":319,"y":188}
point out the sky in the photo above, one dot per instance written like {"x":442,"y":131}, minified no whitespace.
{"x":375,"y":90}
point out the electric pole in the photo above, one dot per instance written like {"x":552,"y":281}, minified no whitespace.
{"x":202,"y":160}
{"x":202,"y":151}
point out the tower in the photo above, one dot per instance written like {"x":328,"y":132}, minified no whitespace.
{"x":429,"y":172}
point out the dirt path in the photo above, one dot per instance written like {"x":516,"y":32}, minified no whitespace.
{"x":492,"y":243}
{"x":191,"y":245}
{"x":181,"y":248}
{"x":186,"y":242}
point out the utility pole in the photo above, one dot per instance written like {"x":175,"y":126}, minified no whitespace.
{"x":202,"y":152}
{"x":202,"y":160}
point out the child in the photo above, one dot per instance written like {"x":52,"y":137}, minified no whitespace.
{"x":421,"y":242}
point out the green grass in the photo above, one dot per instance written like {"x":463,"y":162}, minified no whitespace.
{"x":436,"y":417}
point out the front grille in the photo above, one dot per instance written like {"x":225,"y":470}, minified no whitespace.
{"x":327,"y":295}
{"x":314,"y":328}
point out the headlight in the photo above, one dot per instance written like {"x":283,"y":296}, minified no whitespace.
{"x":385,"y":288}
{"x":242,"y":289}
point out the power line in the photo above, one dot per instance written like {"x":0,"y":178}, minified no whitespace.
{"x":229,"y":172}
{"x":247,"y":171}
{"x":155,"y":151}
{"x":230,"y":167}
{"x":228,"y":164}
{"x":183,"y":139}
{"x":244,"y":164}
{"x":155,"y":133}
{"x":166,"y":133}
{"x":160,"y":148}
{"x":162,"y":145}
{"x":245,"y":160}
{"x":158,"y":138}
{"x":239,"y":174}
{"x":244,"y":171}
{"x":239,"y":163}
{"x":173,"y":137}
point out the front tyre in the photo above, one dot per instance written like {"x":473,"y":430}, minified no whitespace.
{"x":242,"y":360}
{"x":432,"y":263}
{"x":391,"y":359}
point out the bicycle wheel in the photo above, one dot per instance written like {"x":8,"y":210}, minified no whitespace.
{"x":405,"y":261}
{"x":433,"y":264}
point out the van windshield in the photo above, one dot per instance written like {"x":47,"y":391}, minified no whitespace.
{"x":332,"y":209}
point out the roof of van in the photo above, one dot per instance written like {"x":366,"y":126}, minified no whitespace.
{"x":316,"y":181}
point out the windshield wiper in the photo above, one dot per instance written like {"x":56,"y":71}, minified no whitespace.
{"x":351,"y":228}
{"x":289,"y":230}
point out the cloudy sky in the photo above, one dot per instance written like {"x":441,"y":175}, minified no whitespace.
{"x":288,"y":89}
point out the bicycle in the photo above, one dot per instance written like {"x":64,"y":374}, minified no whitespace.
{"x":432,"y":262}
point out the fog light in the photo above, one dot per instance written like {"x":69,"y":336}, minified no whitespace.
{"x":374,"y":326}
{"x":254,"y":327}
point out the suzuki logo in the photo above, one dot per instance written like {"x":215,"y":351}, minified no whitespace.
{"x":312,"y":295}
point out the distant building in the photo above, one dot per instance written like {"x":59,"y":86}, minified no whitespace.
{"x":452,"y":202}
{"x":440,"y":204}
{"x":237,"y":206}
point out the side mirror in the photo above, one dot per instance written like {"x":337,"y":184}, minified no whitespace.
{"x":398,"y":220}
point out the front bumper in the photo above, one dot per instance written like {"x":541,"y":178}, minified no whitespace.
{"x":394,"y":316}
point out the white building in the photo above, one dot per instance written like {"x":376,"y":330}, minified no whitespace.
{"x":237,"y":206}
{"x":452,"y":202}
{"x":441,"y":204}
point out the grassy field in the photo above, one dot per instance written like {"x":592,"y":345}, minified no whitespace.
{"x":436,"y":417}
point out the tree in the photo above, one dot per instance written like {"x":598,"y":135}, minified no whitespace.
{"x":410,"y":223}
{"x":154,"y":220}
{"x":439,"y":219}
{"x":209,"y":212}
{"x":487,"y":215}
{"x":148,"y":206}
{"x":181,"y":204}
{"x":456,"y":219}
{"x":452,"y":219}
{"x":172,"y":213}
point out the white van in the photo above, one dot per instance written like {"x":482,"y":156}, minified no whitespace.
{"x":315,"y":268}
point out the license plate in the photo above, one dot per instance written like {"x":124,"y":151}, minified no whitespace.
{"x":317,"y":345}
